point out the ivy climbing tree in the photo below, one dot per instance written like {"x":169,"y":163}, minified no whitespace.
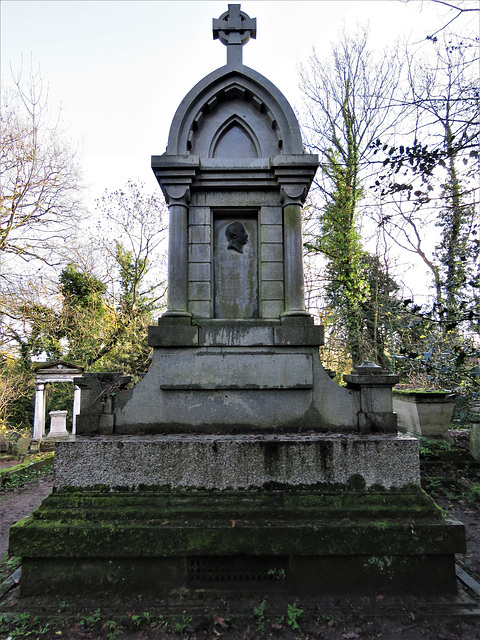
{"x":349,"y":100}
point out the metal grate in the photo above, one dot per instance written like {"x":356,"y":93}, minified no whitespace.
{"x":237,"y":571}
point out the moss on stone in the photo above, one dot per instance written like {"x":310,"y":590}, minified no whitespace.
{"x":171,"y":523}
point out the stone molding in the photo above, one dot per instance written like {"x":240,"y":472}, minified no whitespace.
{"x":223,"y":335}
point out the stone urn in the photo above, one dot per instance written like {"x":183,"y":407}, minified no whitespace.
{"x":423,"y":413}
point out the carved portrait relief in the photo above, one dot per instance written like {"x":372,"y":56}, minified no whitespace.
{"x":235,"y":267}
{"x":237,"y":237}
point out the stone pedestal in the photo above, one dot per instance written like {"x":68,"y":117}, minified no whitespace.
{"x":58,"y":425}
{"x":202,"y":517}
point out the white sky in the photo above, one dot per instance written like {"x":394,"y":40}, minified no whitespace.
{"x":120,"y":68}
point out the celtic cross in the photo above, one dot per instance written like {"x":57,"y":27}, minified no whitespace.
{"x":234,"y":28}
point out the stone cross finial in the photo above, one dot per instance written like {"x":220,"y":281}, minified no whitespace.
{"x":234,"y":28}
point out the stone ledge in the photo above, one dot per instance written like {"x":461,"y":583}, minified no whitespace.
{"x":173,"y":336}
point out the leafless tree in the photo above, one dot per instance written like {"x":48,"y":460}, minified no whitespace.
{"x":433,"y":177}
{"x":39,"y":173}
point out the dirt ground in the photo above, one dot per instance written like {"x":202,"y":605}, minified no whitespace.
{"x":329,"y":618}
{"x":16,"y":504}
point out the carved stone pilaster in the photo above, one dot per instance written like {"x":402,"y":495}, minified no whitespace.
{"x":292,"y":196}
{"x":178,"y":199}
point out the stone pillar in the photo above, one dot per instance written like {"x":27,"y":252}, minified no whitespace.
{"x":39,"y":412}
{"x":177,"y":301}
{"x":292,"y":197}
{"x":77,"y":394}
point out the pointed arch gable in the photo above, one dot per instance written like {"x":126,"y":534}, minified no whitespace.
{"x":229,"y":93}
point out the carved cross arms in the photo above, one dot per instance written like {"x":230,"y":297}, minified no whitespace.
{"x":234,"y":28}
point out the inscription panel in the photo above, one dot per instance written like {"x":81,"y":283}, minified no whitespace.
{"x":238,"y":371}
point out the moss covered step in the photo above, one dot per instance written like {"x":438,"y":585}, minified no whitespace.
{"x":83,"y":525}
{"x":277,"y":505}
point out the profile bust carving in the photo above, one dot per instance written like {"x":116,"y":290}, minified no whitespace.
{"x":237,"y":236}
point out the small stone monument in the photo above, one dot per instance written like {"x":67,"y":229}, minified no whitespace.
{"x":58,"y":425}
{"x":237,"y":463}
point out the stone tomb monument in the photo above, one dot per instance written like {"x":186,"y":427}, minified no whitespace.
{"x":237,"y":463}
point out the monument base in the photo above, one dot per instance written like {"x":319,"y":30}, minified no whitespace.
{"x":273,"y":534}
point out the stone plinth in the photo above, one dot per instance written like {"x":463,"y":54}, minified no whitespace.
{"x":238,"y":462}
{"x":58,"y":424}
{"x":203,"y":544}
{"x":245,"y":376}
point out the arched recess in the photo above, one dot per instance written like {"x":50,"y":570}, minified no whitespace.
{"x":218,"y":89}
{"x":234,"y":139}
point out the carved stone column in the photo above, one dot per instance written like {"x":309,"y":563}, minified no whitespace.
{"x":39,"y":412}
{"x":178,"y":197}
{"x":292,"y":199}
{"x":76,"y":407}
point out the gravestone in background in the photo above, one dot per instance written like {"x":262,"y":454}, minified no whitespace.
{"x":237,"y":463}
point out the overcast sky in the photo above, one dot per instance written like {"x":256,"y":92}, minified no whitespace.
{"x":119,"y":69}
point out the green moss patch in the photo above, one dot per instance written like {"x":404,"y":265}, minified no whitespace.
{"x":172,"y":523}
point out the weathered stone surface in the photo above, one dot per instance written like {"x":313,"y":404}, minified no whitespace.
{"x":271,"y":308}
{"x":149,"y":408}
{"x":235,"y":267}
{"x":173,"y":336}
{"x":271,"y":233}
{"x":272,"y":271}
{"x":199,"y":233}
{"x":272,"y":290}
{"x":272,"y":252}
{"x":199,"y":291}
{"x":199,"y":215}
{"x":200,"y":308}
{"x":271,"y":215}
{"x":285,"y":540}
{"x":199,"y":253}
{"x":236,"y":335}
{"x":237,"y":371}
{"x":288,"y":335}
{"x":199,"y":271}
{"x":239,"y":461}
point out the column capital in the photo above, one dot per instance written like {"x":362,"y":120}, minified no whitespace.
{"x":293,"y":194}
{"x":177,"y":194}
